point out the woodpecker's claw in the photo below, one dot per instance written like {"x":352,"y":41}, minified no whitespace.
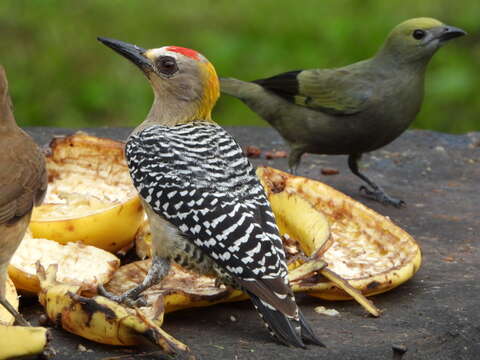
{"x":156,"y":273}
{"x":130,"y":298}
{"x":381,"y":196}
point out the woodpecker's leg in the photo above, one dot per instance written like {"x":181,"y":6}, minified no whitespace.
{"x":158,"y":270}
{"x":294,"y":159}
{"x":375,"y":192}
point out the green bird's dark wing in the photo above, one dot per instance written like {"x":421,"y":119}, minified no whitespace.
{"x":333,"y":91}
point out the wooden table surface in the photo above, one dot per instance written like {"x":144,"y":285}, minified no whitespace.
{"x":435,"y":315}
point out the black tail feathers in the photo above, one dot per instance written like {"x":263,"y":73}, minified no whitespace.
{"x":307,"y":331}
{"x":286,"y":329}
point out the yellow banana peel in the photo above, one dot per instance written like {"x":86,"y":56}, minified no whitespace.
{"x":182,"y":288}
{"x":90,"y":196}
{"x":18,"y":341}
{"x":100,"y":319}
{"x":366,"y":249}
{"x":365,"y":252}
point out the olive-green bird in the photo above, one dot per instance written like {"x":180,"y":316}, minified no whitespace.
{"x":354,"y":109}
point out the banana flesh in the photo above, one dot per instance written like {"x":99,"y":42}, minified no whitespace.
{"x":100,"y":319}
{"x":77,"y":263}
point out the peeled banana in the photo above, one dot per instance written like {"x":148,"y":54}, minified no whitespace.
{"x":100,"y":319}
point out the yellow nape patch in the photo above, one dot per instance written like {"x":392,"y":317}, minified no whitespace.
{"x":211,"y":91}
{"x":424,"y":23}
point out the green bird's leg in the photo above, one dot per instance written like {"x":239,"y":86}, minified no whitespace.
{"x":294,"y":159}
{"x":375,"y":192}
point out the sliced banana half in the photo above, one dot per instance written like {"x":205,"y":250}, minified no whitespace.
{"x":78,"y":264}
{"x":90,"y":196}
{"x":362,"y":247}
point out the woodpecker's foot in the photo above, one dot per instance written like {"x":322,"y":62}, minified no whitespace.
{"x":381,"y":196}
{"x":130,"y":298}
{"x":156,"y":273}
{"x":297,"y":257}
{"x":19,"y":319}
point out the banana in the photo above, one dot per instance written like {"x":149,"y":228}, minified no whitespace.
{"x":296,"y":217}
{"x":364,"y":248}
{"x":100,"y":319}
{"x":365,"y":253}
{"x":313,"y":232}
{"x":77,"y":263}
{"x":22,"y":341}
{"x":11,"y":294}
{"x":90,"y":196}
{"x":182,"y":288}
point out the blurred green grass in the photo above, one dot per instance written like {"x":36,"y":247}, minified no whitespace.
{"x":61,"y":76}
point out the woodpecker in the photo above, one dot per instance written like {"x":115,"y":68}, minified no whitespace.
{"x":353,"y":109}
{"x":207,"y":209}
{"x":23,"y":184}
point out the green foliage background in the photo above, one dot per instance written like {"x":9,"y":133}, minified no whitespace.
{"x":61,"y":76}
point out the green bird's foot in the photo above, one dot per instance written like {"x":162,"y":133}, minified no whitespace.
{"x":381,"y":196}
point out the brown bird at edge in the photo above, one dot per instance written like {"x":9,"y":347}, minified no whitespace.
{"x":23,"y":184}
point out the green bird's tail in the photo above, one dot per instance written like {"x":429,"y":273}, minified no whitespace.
{"x":237,"y":88}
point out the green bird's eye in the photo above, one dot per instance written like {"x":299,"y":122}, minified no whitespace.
{"x":419,"y":34}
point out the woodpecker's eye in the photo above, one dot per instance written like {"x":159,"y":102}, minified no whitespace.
{"x":166,"y":65}
{"x":419,"y":34}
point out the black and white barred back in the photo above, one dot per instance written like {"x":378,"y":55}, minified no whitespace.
{"x":197,"y":178}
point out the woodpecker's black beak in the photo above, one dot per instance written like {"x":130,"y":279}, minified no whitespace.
{"x":133,"y":53}
{"x":449,"y":32}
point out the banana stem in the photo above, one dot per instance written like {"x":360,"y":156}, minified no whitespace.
{"x":305,"y":269}
{"x":350,"y":290}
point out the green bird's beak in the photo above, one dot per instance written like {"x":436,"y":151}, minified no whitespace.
{"x":448,"y":32}
{"x":132,"y":52}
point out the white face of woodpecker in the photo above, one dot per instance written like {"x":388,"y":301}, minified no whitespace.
{"x":173,"y":71}
{"x":178,"y":71}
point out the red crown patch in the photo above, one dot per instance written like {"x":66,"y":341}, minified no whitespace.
{"x":184,"y":51}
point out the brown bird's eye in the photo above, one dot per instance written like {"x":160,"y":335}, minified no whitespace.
{"x":166,"y":65}
{"x":419,"y":34}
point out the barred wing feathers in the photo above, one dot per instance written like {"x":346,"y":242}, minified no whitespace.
{"x":197,"y":178}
